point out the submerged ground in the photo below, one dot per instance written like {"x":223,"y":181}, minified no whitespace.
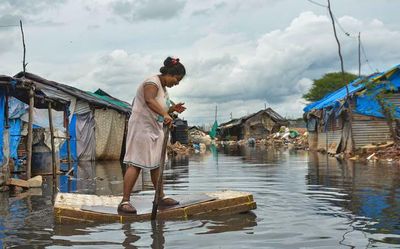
{"x":305,"y":200}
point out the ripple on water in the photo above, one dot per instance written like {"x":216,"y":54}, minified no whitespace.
{"x":304,"y":200}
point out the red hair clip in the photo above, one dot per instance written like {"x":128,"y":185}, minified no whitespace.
{"x":174,"y":61}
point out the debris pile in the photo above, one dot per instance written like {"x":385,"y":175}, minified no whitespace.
{"x":179,"y":149}
{"x":197,"y":136}
{"x":19,"y":185}
{"x":383,"y":152}
{"x":296,"y":138}
{"x":390,"y":153}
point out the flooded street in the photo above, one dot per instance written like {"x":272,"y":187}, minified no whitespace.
{"x":304,"y":200}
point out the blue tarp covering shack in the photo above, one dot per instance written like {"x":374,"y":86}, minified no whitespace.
{"x":366,"y":103}
{"x":16,"y":91}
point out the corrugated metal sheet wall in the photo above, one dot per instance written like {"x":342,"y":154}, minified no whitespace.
{"x":333,"y":140}
{"x":313,"y":141}
{"x":367,"y":132}
{"x":321,"y":141}
{"x":370,"y":131}
{"x":364,"y":131}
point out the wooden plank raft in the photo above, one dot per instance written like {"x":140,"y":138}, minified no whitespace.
{"x":70,"y":207}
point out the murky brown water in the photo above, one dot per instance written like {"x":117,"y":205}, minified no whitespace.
{"x":305,"y":200}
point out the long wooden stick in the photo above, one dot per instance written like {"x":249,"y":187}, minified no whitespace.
{"x":343,"y":78}
{"x":160,"y":176}
{"x":53,"y":148}
{"x":23,"y":44}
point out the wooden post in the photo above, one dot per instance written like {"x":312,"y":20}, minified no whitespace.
{"x":30,"y":134}
{"x":53,"y":152}
{"x":6,"y":134}
{"x":359,"y":54}
{"x":6,"y":112}
{"x":23,"y":44}
{"x":216,"y":111}
{"x":66,"y":119}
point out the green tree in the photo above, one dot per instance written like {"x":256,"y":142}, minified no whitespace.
{"x":330,"y":82}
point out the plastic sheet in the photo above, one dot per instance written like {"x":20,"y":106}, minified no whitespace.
{"x":72,"y":133}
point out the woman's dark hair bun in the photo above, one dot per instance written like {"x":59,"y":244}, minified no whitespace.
{"x":173,"y":66}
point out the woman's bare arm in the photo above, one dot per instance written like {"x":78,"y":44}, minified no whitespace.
{"x":150,"y":94}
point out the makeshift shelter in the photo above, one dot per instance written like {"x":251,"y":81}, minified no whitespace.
{"x":328,"y":120}
{"x":97,"y":121}
{"x":257,"y":125}
{"x":18,"y":96}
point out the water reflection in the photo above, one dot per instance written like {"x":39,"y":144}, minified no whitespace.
{"x":304,"y":200}
{"x":368,"y":194}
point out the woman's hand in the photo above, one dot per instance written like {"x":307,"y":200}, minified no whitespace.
{"x":179,"y":107}
{"x":167,"y":120}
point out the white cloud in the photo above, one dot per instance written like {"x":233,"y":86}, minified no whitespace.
{"x":141,"y":10}
{"x":241,"y":75}
{"x":233,"y":57}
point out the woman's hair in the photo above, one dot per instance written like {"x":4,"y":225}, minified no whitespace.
{"x":172,"y":66}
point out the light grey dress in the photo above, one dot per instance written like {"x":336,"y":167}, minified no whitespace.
{"x":145,"y":129}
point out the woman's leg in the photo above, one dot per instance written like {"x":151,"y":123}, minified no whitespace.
{"x":154,"y":178}
{"x":130,"y":178}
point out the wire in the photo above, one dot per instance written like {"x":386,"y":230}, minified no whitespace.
{"x":366,"y":58}
{"x":342,"y":29}
{"x":319,"y":4}
{"x":355,"y":38}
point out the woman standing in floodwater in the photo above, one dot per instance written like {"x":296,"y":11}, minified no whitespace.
{"x":145,"y":135}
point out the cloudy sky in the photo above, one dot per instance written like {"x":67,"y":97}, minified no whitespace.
{"x":239,"y":55}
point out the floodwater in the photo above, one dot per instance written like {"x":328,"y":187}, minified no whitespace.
{"x":304,"y":200}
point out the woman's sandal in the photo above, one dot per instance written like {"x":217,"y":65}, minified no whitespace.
{"x":168,"y":201}
{"x":122,"y":208}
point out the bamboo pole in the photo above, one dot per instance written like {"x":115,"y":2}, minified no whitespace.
{"x":159,"y":187}
{"x":30,"y":134}
{"x":53,"y":152}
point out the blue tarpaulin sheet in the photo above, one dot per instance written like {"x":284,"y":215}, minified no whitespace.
{"x":366,"y":104}
{"x":333,"y":99}
{"x":72,"y":133}
{"x":2,"y":104}
{"x":15,"y":136}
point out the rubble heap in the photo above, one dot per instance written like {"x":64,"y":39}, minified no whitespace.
{"x":296,"y":138}
{"x":391,"y":153}
{"x":388,"y":151}
{"x":179,"y":149}
{"x":197,"y":136}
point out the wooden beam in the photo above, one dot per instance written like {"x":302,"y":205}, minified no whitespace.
{"x":18,"y":183}
{"x":53,"y":149}
{"x":30,"y":134}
